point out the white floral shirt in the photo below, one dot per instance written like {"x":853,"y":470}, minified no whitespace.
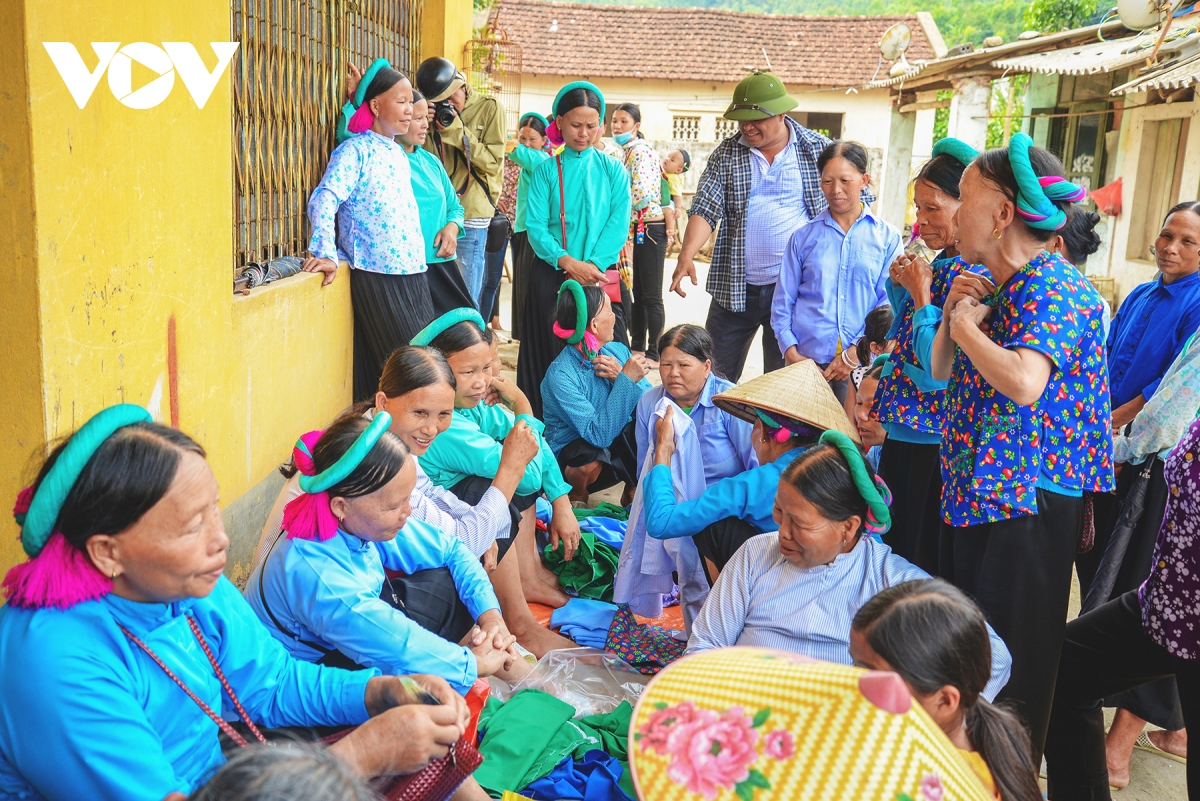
{"x":364,"y":211}
{"x":645,"y":173}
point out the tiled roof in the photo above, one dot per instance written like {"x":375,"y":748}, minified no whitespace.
{"x":698,"y":44}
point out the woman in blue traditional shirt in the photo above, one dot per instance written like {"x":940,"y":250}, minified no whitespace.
{"x":577,"y":217}
{"x":1023,"y":353}
{"x":686,"y":369}
{"x":323,"y":591}
{"x":909,"y":401}
{"x":364,"y":211}
{"x":799,"y":589}
{"x":834,"y":270}
{"x":528,"y":154}
{"x":130,"y":584}
{"x":465,"y":458}
{"x":589,"y":395}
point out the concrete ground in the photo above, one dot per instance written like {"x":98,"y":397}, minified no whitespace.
{"x":1152,"y":777}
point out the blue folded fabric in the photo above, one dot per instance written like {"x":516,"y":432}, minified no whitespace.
{"x":608,"y":530}
{"x":585,"y":621}
{"x":593,"y":779}
{"x":544,"y":510}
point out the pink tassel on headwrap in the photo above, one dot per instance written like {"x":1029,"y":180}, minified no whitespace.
{"x":362,"y":120}
{"x":591,"y":345}
{"x":554,"y":135}
{"x":308,"y":516}
{"x":59,"y":577}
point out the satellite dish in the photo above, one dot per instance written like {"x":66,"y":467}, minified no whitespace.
{"x":1140,"y":15}
{"x":896,"y":40}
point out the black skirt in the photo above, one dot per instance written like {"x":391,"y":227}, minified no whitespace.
{"x":389,"y":310}
{"x":539,"y":345}
{"x":913,"y":472}
{"x":519,"y":242}
{"x":447,"y":289}
{"x":618,"y":461}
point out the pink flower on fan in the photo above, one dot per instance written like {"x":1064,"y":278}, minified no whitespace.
{"x":709,"y":752}
{"x":655,"y":731}
{"x":931,"y":788}
{"x":779,"y":744}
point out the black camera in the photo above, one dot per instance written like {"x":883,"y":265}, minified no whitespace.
{"x":444,"y":113}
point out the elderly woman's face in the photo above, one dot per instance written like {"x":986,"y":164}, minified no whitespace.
{"x":394,"y":109}
{"x":604,"y":323}
{"x":174,"y":551}
{"x":935,"y":215}
{"x":378,"y":517}
{"x":806,"y":538}
{"x":1177,"y":248}
{"x":683,"y":375}
{"x":977,"y":216}
{"x":420,"y":415}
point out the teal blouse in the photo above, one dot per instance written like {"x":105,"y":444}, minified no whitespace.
{"x":596,"y":195}
{"x":437,"y":202}
{"x":528,"y":160}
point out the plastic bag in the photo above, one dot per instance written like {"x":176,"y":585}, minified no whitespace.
{"x":593,"y":681}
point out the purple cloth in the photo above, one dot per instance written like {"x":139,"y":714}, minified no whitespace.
{"x":1168,"y":597}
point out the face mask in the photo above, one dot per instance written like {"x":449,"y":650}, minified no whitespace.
{"x":623,"y":138}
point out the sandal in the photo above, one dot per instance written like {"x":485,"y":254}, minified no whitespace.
{"x":1144,"y":743}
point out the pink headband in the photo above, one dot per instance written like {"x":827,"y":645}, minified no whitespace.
{"x":308,"y":516}
{"x":362,"y":120}
{"x":590,"y":346}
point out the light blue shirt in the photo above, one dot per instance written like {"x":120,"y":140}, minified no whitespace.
{"x":581,"y":405}
{"x":830,"y":280}
{"x":364,"y":210}
{"x":87,"y":714}
{"x":748,"y":496}
{"x":762,"y":599}
{"x":774,"y":210}
{"x":724,"y":439}
{"x":327,"y":593}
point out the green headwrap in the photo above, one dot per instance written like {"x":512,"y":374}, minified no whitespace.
{"x":1036,"y":194}
{"x":956,"y":149}
{"x":591,"y":87}
{"x":591,"y":346}
{"x":368,"y":76}
{"x":875,"y":493}
{"x":351,"y":459}
{"x":451,"y":318}
{"x":532,"y":115}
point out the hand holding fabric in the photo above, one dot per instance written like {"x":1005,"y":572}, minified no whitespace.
{"x":968,"y":285}
{"x":606,"y":367}
{"x":665,"y":447}
{"x":967,"y":313}
{"x":914,"y":274}
{"x":564,"y":528}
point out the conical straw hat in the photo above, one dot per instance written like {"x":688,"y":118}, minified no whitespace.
{"x":797,"y":391}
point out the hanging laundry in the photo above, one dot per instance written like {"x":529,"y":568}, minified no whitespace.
{"x":590,"y":574}
{"x":647,"y":648}
{"x":585,"y":621}
{"x":595,"y":778}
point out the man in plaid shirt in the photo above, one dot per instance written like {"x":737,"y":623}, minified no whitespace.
{"x":761,"y":186}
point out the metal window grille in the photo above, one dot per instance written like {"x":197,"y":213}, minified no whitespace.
{"x":493,"y":66}
{"x":725,"y":129}
{"x":288,"y":89}
{"x":685,"y":129}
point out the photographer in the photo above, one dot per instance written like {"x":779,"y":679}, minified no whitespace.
{"x":468,"y":136}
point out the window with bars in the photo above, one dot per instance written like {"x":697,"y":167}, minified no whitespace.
{"x":288,"y":89}
{"x":725,"y":129}
{"x":685,"y":129}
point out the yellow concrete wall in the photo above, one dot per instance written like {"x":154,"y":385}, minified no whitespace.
{"x":445,"y":28}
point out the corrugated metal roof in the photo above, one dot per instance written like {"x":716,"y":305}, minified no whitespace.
{"x":1179,"y":75}
{"x":1088,"y":59}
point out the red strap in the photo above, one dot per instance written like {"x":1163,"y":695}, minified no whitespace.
{"x":221,"y":722}
{"x":562,"y":202}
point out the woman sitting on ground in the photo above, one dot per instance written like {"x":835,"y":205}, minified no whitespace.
{"x":123,"y":605}
{"x":936,"y":638}
{"x":324,"y":592}
{"x":466,"y":457}
{"x":736,"y":508}
{"x":798,"y":589}
{"x":686,"y":369}
{"x":417,"y":390}
{"x":589,"y":395}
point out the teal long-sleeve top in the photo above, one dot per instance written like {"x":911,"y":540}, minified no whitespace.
{"x":596,"y":190}
{"x":581,"y":405}
{"x":327,"y":594}
{"x":748,"y":496}
{"x":85,"y":713}
{"x":437,"y":202}
{"x":528,"y":160}
{"x":472,"y":447}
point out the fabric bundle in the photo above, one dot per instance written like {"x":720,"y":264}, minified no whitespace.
{"x":590,"y":574}
{"x":585,"y":621}
{"x":647,"y":648}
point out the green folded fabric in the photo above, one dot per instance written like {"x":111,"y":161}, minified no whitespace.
{"x":591,"y":573}
{"x":612,"y":729}
{"x":603,"y":509}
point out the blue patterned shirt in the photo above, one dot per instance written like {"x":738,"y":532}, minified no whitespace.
{"x":364,"y":211}
{"x":723,"y":194}
{"x":581,"y":405}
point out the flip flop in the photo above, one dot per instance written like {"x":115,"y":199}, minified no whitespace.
{"x":1145,"y":744}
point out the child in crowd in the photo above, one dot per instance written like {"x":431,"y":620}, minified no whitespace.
{"x":936,"y":638}
{"x":674,"y":166}
{"x":870,"y":430}
{"x":871,"y":345}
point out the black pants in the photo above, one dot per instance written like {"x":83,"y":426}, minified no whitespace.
{"x":720,"y":541}
{"x":1019,"y":572}
{"x":913,"y":473}
{"x":1106,"y":652}
{"x":491,"y":283}
{"x":447,"y":289}
{"x":732,"y":333}
{"x":648,"y":314}
{"x":618,"y":461}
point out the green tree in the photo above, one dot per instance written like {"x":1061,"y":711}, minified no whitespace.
{"x":1058,"y":15}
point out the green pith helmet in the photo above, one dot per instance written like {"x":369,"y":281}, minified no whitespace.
{"x":758,"y":97}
